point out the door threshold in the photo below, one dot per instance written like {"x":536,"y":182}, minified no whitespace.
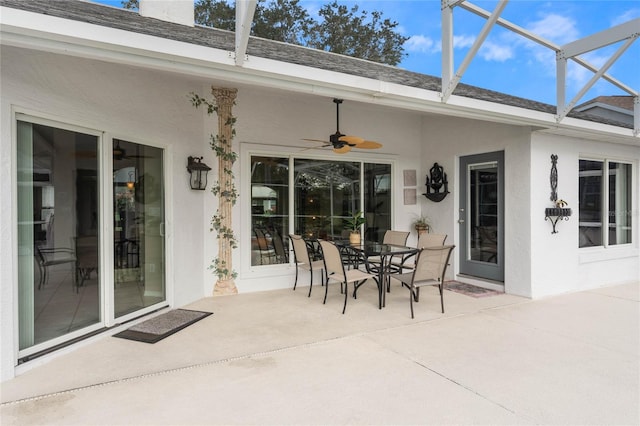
{"x":481,"y":282}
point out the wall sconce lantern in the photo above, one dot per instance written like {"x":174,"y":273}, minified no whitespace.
{"x":198,"y":173}
{"x":437,"y":185}
{"x":559,"y":212}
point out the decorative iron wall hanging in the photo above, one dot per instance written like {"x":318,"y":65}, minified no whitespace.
{"x":560,"y":211}
{"x":437,"y":185}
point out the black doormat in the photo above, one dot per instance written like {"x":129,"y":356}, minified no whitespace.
{"x":469,"y":290}
{"x":157,"y":328}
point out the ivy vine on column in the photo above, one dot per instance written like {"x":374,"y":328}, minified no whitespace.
{"x":224,"y":188}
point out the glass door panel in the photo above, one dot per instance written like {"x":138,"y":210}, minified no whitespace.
{"x":481,"y":216}
{"x":138,"y":221}
{"x":58,"y":222}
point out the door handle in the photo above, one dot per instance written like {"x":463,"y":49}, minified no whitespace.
{"x":460,"y":220}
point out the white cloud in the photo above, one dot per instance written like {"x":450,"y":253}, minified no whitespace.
{"x":460,"y":42}
{"x":626,"y":17}
{"x":578,"y":76}
{"x":422,"y":44}
{"x":494,"y":52}
{"x":555,"y":28}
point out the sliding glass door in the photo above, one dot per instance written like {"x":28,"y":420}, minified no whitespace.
{"x":138,"y":227}
{"x":58,"y":221}
{"x":91,"y":245}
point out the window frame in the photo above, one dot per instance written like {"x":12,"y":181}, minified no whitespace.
{"x":605,"y":200}
{"x":247,"y":152}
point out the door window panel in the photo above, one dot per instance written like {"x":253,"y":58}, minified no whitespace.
{"x":58,"y":222}
{"x":138,"y":225}
{"x":483,"y":209}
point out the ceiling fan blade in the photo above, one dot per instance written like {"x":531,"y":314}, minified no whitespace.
{"x":369,"y":145}
{"x":342,"y":150}
{"x":351,"y":140}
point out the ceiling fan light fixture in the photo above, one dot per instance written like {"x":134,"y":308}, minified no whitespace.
{"x":343,"y":143}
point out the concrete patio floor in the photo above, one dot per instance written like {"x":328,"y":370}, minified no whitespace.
{"x":279,"y":357}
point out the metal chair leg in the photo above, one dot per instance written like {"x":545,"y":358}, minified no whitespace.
{"x":346,"y":295}
{"x":326,"y":289}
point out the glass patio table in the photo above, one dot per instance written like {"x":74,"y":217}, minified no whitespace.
{"x":385,"y":252}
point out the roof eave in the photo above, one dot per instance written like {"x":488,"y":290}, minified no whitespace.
{"x":63,"y":36}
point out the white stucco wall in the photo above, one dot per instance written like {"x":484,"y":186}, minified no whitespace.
{"x":152,"y":107}
{"x":558,"y":265}
{"x":445,"y":140}
{"x":129,"y":103}
{"x":275,"y":123}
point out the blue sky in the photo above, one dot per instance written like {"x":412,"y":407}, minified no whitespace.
{"x":507,"y":62}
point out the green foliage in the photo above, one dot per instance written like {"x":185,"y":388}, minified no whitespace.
{"x":355,"y":222}
{"x":215,"y":13}
{"x":223,"y":231}
{"x":282,"y":20}
{"x":422,"y":221}
{"x":351,"y":32}
{"x":223,"y":149}
{"x":221,"y":270}
{"x":130,"y":4}
{"x":347,"y":32}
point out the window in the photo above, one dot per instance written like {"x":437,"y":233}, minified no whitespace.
{"x":324,"y":194}
{"x":605,"y":200}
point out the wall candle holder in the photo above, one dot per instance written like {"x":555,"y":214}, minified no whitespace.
{"x":437,"y":184}
{"x":559,"y":212}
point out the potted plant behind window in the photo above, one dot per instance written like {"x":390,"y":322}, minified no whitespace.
{"x":422,"y":224}
{"x":353,"y":224}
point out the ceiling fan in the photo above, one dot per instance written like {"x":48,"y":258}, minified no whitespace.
{"x":120,"y":153}
{"x":343,"y":143}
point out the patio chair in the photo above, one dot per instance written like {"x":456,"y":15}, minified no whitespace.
{"x":49,"y":257}
{"x":281,"y":252}
{"x":431,"y":240}
{"x":430,"y":268}
{"x":424,"y":240}
{"x":334,"y":269}
{"x":267,"y":254}
{"x":398,"y":238}
{"x":304,"y":260}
